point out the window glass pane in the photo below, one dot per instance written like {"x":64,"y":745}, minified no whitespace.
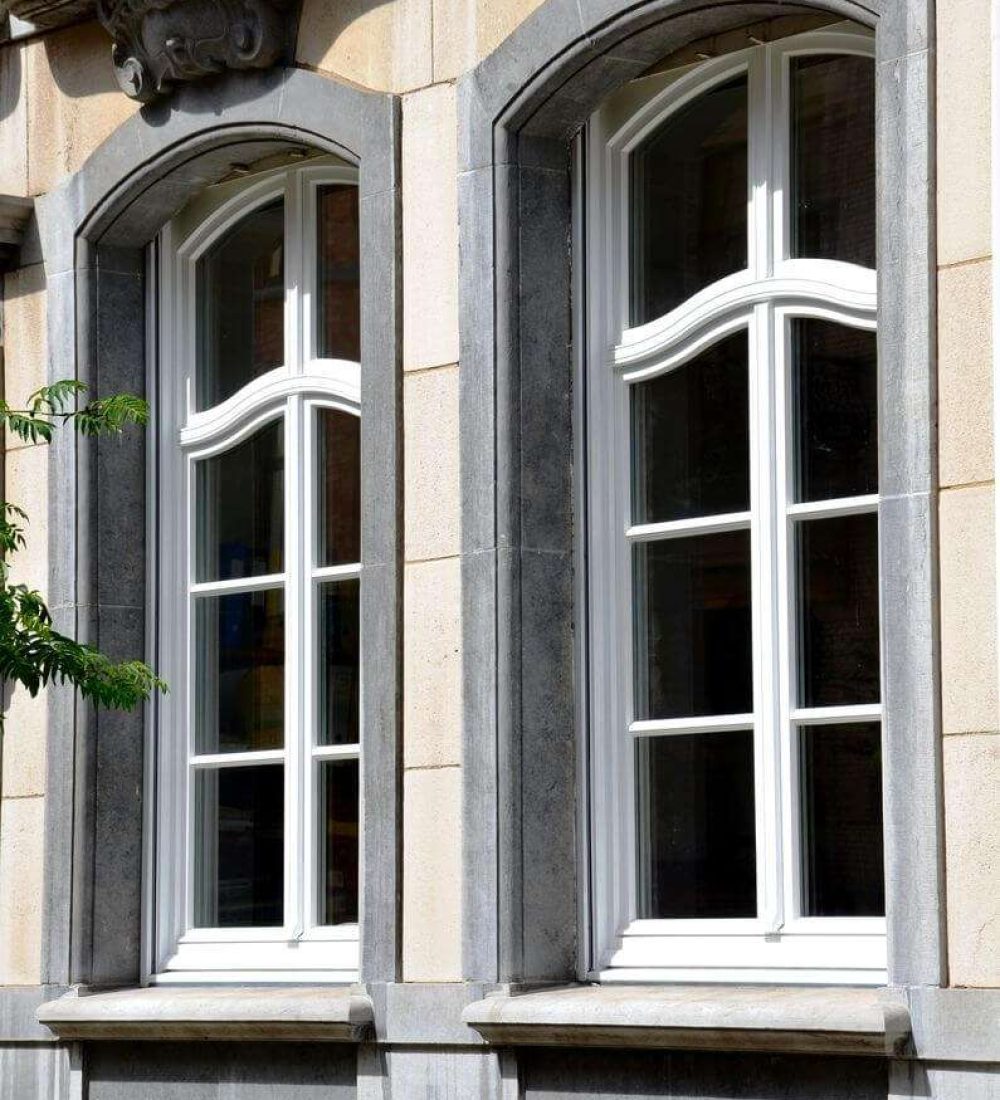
{"x":338,"y":317}
{"x":693,"y":654}
{"x":690,"y":449}
{"x":689,"y":202}
{"x":240,"y":850}
{"x":838,"y":611}
{"x":338,"y":808}
{"x":833,"y":158}
{"x":240,"y":502}
{"x":339,"y":665}
{"x":841,"y":769}
{"x":241,"y":305}
{"x":239,"y":672}
{"x":834,"y":386}
{"x":338,"y":486}
{"x":695,"y":805}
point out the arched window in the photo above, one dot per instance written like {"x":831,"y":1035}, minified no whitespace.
{"x":732,"y":504}
{"x":259,"y":579}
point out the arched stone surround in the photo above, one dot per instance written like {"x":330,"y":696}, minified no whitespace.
{"x":525,"y":827}
{"x":92,"y":235}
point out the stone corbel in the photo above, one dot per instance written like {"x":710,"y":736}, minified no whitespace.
{"x":160,"y":43}
{"x":14,"y":215}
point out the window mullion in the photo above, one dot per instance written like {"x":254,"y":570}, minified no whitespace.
{"x":759,"y":255}
{"x":295,"y":657}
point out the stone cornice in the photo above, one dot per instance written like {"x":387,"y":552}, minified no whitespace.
{"x":48,"y":14}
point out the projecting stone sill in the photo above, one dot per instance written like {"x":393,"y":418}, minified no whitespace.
{"x":829,"y":1020}
{"x":334,"y":1014}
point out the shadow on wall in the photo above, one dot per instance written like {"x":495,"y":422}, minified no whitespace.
{"x":79,"y":61}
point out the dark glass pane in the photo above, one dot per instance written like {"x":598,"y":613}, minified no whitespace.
{"x":690,"y":438}
{"x":338,"y":486}
{"x":835,"y":395}
{"x":697,"y":850}
{"x":693,"y":653}
{"x":838,"y":611}
{"x":689,"y":202}
{"x":240,"y":856}
{"x":240,"y":672}
{"x":833,"y":158}
{"x":339,"y":667}
{"x":842,"y":821}
{"x":241,"y":305}
{"x":338,"y":317}
{"x":240,"y":508}
{"x":338,"y":808}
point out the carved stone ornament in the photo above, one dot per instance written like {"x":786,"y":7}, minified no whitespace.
{"x":159,"y":43}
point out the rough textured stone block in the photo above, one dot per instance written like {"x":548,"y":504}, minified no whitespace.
{"x":972,"y":831}
{"x":22,"y":837}
{"x":432,"y":494}
{"x":432,"y":903}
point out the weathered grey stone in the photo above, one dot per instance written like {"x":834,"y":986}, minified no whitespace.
{"x":331,"y":1013}
{"x":18,"y":1005}
{"x":955,"y":1024}
{"x":830,"y":1021}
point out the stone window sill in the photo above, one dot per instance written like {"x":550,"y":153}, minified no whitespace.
{"x":828,"y":1020}
{"x":335,"y":1014}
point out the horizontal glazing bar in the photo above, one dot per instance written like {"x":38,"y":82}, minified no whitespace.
{"x":337,"y":572}
{"x":238,"y":584}
{"x":683,"y":528}
{"x":830,"y":509}
{"x":336,"y":752}
{"x":237,"y":759}
{"x":829,"y":716}
{"x":716,"y":723}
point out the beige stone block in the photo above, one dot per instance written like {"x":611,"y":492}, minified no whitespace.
{"x":972,"y":832}
{"x":22,"y":754}
{"x":13,"y":121}
{"x":454,"y":38}
{"x":968,"y":611}
{"x":74,"y":102}
{"x":22,"y":833}
{"x":378,"y":44}
{"x":430,"y":228}
{"x":432,"y":489}
{"x":432,"y":663}
{"x":963,"y":130}
{"x":25,"y":339}
{"x":432,"y":874}
{"x":497,"y":19}
{"x":965,"y":374}
{"x":27,"y":485}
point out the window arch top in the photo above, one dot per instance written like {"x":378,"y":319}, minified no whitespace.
{"x":746,"y":178}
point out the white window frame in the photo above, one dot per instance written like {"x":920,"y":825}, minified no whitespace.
{"x":300,"y":950}
{"x":779,"y":944}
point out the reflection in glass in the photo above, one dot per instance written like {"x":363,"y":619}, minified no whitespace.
{"x":239,"y":855}
{"x":338,"y":849}
{"x":338,"y":486}
{"x":239,"y":672}
{"x":338,"y":318}
{"x":339,"y":663}
{"x":835,"y":395}
{"x":841,"y":769}
{"x":240,"y":508}
{"x":693,"y":653}
{"x":689,"y":201}
{"x":833,"y":158}
{"x":241,"y":305}
{"x":690,"y":431}
{"x":838,"y":611}
{"x":696,"y":835}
